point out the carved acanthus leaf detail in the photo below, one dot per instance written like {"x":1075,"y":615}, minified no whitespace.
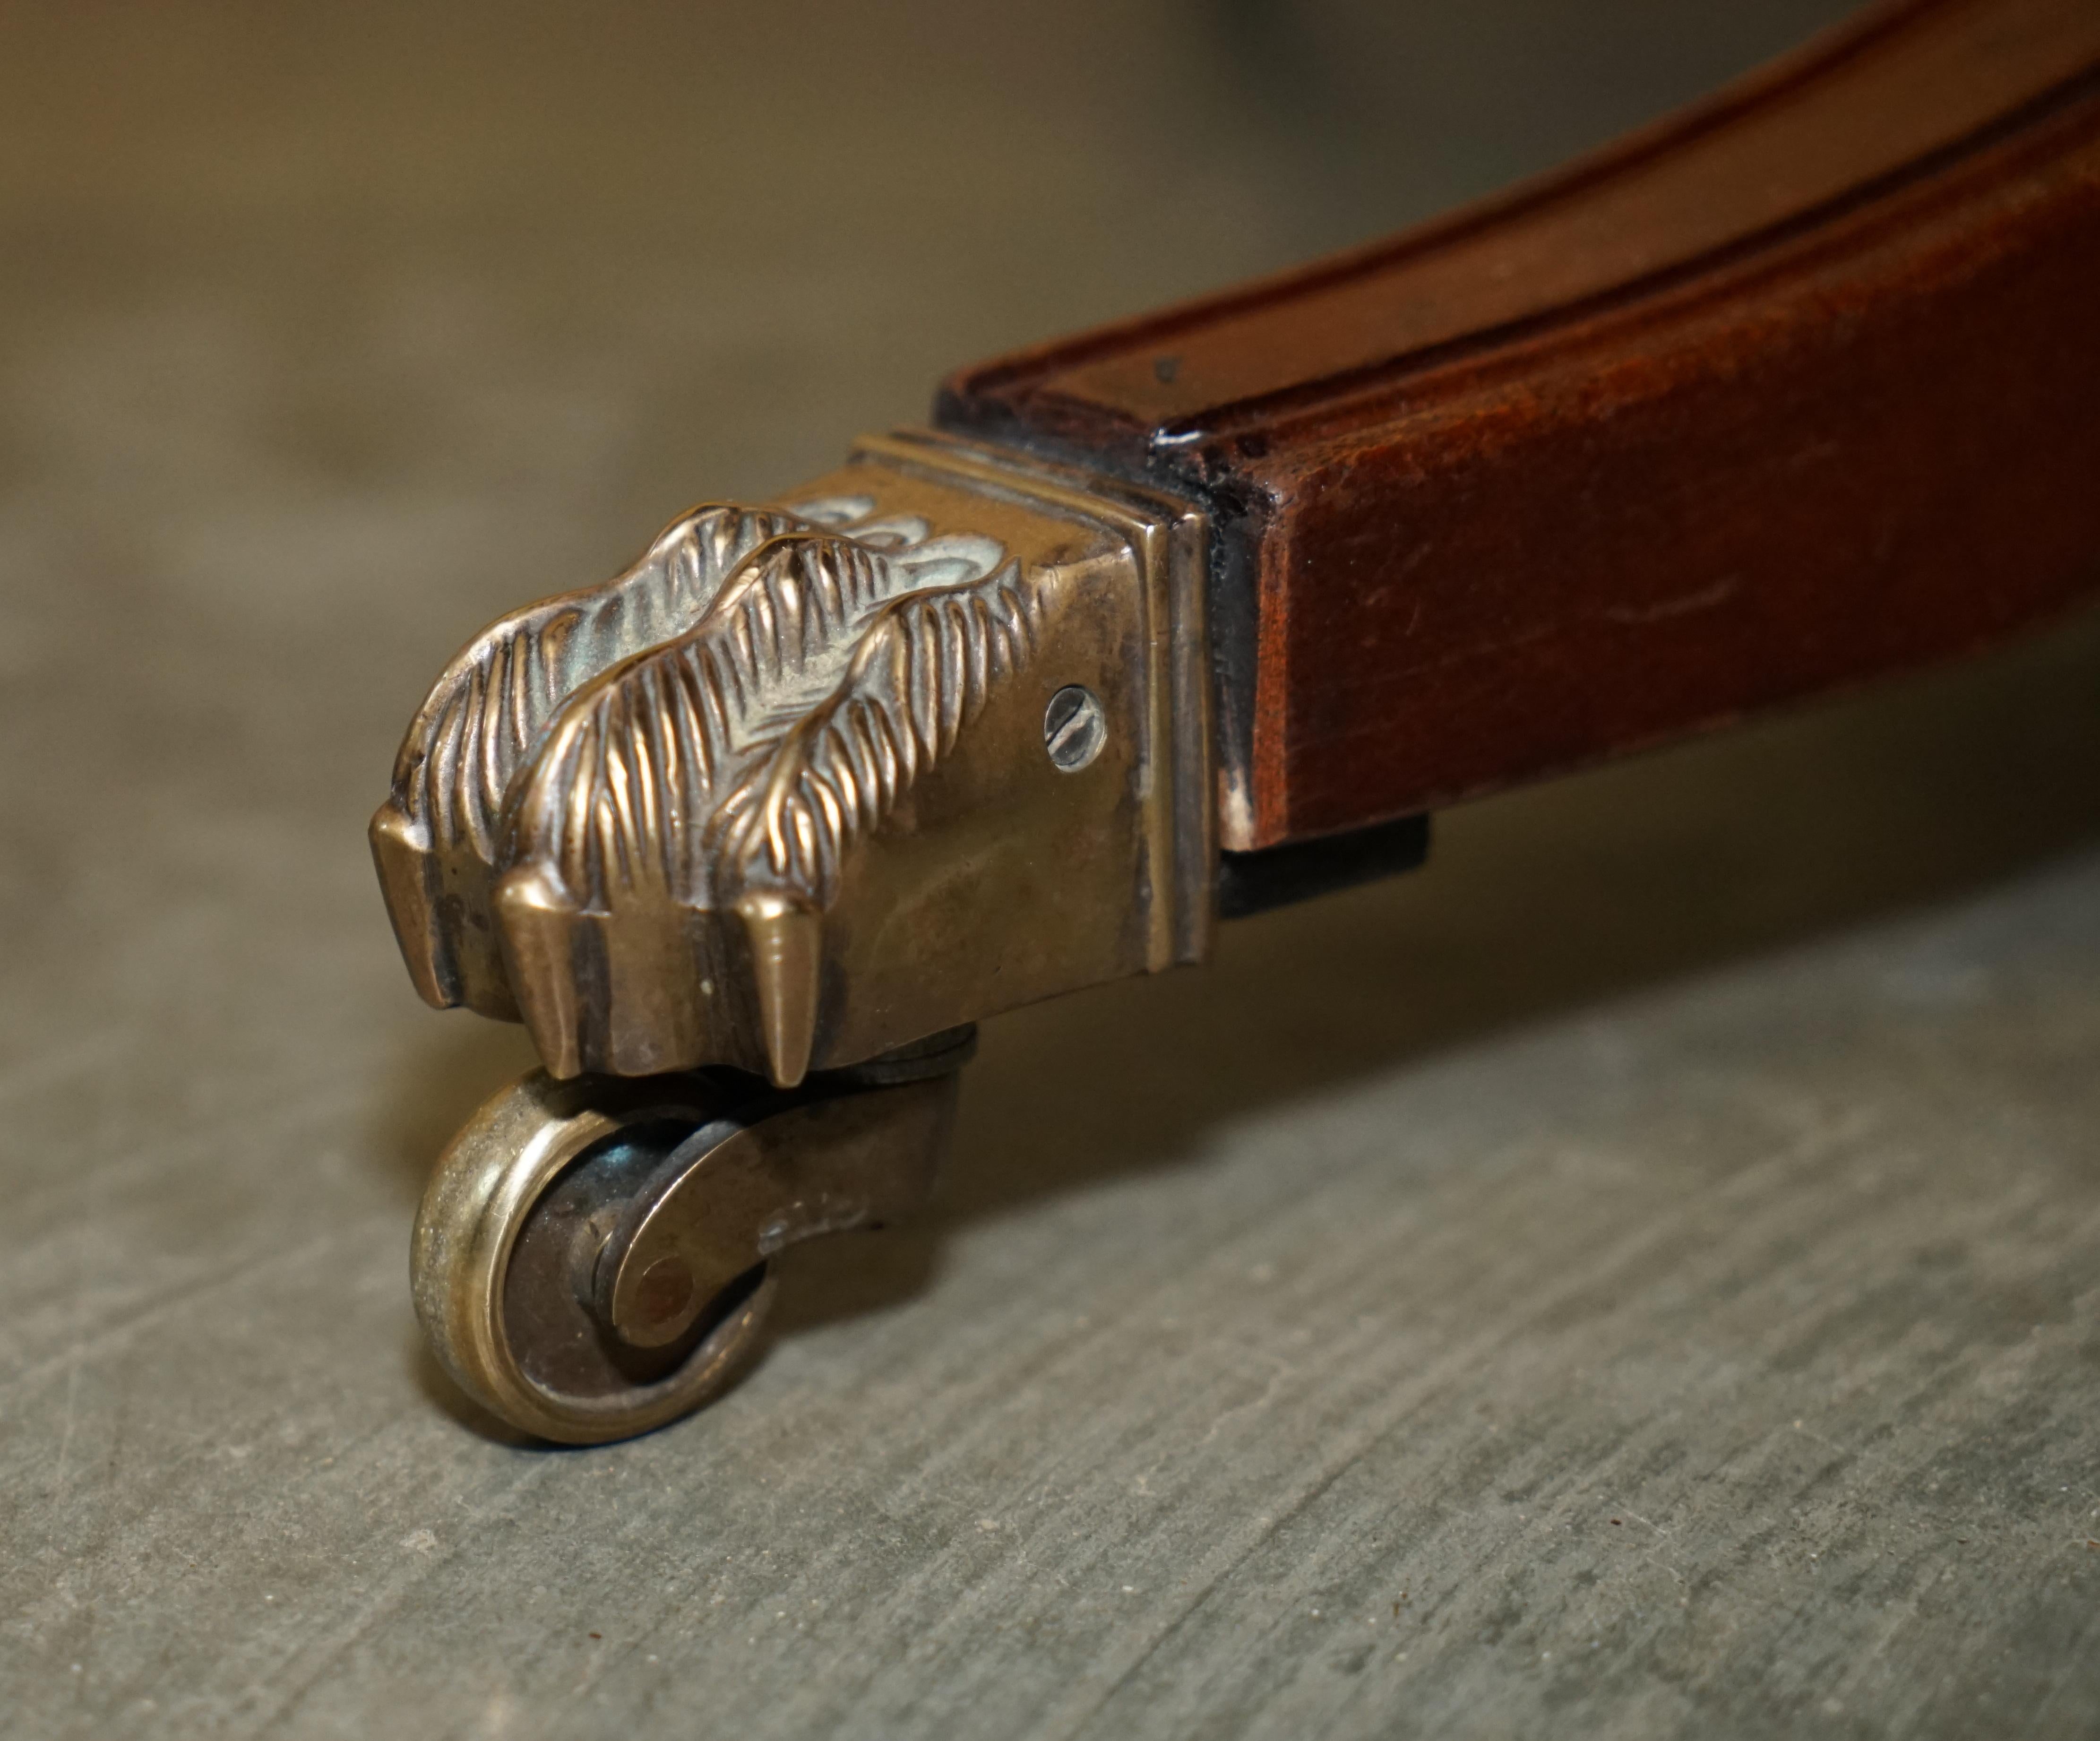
{"x":436,"y":837}
{"x":491,"y":704}
{"x":922,"y":672}
{"x":645,"y":773}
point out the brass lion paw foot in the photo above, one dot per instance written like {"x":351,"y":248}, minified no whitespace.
{"x":747,"y":838}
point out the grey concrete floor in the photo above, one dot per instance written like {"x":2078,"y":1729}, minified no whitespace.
{"x":1637,"y":1277}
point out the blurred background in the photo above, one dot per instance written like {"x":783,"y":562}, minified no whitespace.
{"x":328,"y":333}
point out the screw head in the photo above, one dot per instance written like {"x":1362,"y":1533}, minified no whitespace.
{"x":1075,"y":728}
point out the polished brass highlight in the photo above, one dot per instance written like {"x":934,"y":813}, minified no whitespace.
{"x":779,"y":798}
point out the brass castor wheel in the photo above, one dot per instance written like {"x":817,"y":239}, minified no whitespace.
{"x":591,"y":1257}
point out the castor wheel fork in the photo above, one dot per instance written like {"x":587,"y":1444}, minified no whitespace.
{"x":592,"y":1256}
{"x":735,"y":1194}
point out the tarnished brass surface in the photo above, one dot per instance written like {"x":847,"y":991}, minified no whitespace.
{"x":480,"y":1199}
{"x":809,"y":782}
{"x":589,"y":1259}
{"x":726,"y":1201}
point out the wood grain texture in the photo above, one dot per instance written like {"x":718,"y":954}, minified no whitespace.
{"x":1795,"y":391}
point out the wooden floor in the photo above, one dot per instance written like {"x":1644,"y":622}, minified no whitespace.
{"x":1639,"y":1277}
